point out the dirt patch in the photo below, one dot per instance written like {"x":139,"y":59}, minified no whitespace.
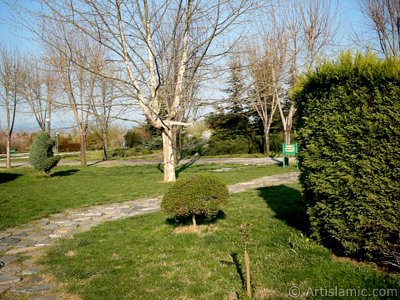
{"x":199,"y":229}
{"x":70,"y":253}
{"x":265,"y":293}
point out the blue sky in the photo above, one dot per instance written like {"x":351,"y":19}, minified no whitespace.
{"x":351,"y":20}
{"x":12,"y":35}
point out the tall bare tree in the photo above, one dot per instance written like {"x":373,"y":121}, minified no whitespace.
{"x":311,"y":25}
{"x":74,"y":56}
{"x":11,"y":82}
{"x":384,"y":19}
{"x":267,"y":67}
{"x":102,"y":102}
{"x":164,"y":47}
{"x":39,"y":90}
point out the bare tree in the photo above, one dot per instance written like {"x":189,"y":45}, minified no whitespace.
{"x":384,"y":19}
{"x":73,"y":57}
{"x":311,"y":27}
{"x":164,"y":47}
{"x":11,"y":81}
{"x":103,"y":101}
{"x":39,"y":90}
{"x":296,"y":34}
{"x":267,"y":67}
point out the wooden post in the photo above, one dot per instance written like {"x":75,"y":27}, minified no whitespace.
{"x":244,"y":228}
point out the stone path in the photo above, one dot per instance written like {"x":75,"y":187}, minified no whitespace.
{"x":23,"y":246}
{"x":135,"y":162}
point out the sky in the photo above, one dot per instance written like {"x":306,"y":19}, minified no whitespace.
{"x":11,"y":36}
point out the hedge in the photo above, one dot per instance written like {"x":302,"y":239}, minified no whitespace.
{"x":348,"y":116}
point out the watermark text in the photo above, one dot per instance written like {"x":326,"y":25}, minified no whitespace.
{"x":295,"y":292}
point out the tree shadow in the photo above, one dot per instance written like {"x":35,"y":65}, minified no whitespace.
{"x":184,"y":166}
{"x":95,"y":162}
{"x":288,"y":205}
{"x":179,"y":168}
{"x":236,"y":262}
{"x":278,"y":161}
{"x":160,"y":167}
{"x":6,"y":177}
{"x":65,"y":173}
{"x":200,"y":220}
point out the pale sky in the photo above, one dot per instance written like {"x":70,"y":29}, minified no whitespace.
{"x":11,"y":36}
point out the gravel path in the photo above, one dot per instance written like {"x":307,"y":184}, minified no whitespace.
{"x":20,"y":279}
{"x":134,"y":162}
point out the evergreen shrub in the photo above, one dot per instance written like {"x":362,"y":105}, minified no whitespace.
{"x":348,"y":116}
{"x":197,"y":195}
{"x":41,"y":156}
{"x":240,"y":145}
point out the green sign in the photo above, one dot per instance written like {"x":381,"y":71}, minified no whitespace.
{"x":288,"y":149}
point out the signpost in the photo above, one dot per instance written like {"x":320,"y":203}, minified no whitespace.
{"x":288,"y":149}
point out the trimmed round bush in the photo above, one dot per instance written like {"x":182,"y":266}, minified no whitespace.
{"x":349,"y":140}
{"x":41,"y":156}
{"x":197,"y":195}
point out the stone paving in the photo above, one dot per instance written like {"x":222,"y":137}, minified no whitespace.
{"x":134,"y":162}
{"x":20,"y":276}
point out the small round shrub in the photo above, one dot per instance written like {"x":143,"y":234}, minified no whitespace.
{"x":41,"y":156}
{"x":198,"y":195}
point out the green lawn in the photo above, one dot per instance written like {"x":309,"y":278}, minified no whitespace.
{"x":142,"y":257}
{"x":25,"y":194}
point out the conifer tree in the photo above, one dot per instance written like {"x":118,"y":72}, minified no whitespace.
{"x":41,"y":156}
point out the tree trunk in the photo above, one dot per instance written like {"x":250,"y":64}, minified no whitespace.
{"x":83,"y":149}
{"x":105,"y":144}
{"x":194,"y":221}
{"x":48,"y":125}
{"x":248,"y":278}
{"x":287,"y":136}
{"x":48,"y":110}
{"x":266,"y":140}
{"x":169,"y":140}
{"x":8,"y":151}
{"x":178,"y":146}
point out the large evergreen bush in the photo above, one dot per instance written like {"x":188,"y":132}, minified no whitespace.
{"x":197,"y":195}
{"x":41,"y":156}
{"x":349,"y":141}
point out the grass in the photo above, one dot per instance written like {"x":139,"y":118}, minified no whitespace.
{"x":144,"y":259}
{"x":26,"y":194}
{"x":95,"y":155}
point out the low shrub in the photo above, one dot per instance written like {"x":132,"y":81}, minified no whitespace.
{"x":233,"y":146}
{"x":123,"y":152}
{"x":146,"y":152}
{"x":69,"y":147}
{"x":155,"y":143}
{"x":41,"y":156}
{"x":136,"y":137}
{"x":193,"y":146}
{"x":198,"y":195}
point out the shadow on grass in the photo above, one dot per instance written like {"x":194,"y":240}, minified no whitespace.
{"x":160,"y":167}
{"x":65,"y":173}
{"x":288,"y":205}
{"x":6,"y":177}
{"x":179,"y":168}
{"x":185,"y":166}
{"x":236,"y":262}
{"x":200,"y":220}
